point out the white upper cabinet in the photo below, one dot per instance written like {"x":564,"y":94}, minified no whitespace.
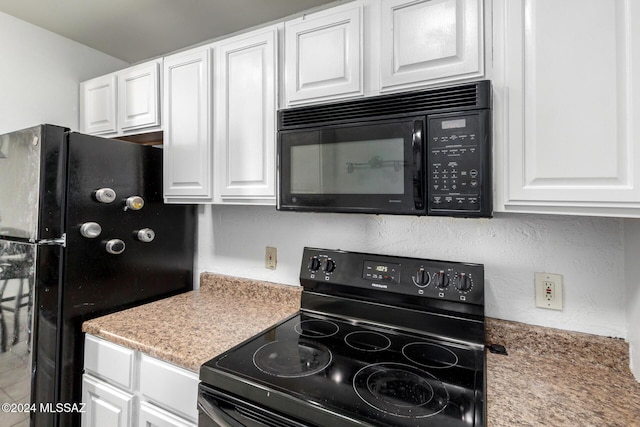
{"x":187,"y":126}
{"x":369,"y":47}
{"x":566,"y":106}
{"x":138,"y":97}
{"x":124,"y":102}
{"x":245,"y":118}
{"x":98,"y":105}
{"x":324,"y":55}
{"x":430,"y":41}
{"x":220,"y":127}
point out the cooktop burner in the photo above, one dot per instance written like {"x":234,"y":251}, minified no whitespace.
{"x":367,"y":341}
{"x":291,"y":358}
{"x":379,"y":341}
{"x":401,"y":390}
{"x":430,"y":355}
{"x":360,"y":369}
{"x":316,"y":328}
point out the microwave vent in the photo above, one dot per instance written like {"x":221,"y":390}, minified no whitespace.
{"x":445,"y":99}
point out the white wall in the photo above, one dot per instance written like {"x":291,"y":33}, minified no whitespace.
{"x":588,"y":252}
{"x":39,"y":75}
{"x":632,"y":275}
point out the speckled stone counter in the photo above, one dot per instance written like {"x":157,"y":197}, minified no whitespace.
{"x":559,"y":378}
{"x":190,"y":328}
{"x":549,"y":378}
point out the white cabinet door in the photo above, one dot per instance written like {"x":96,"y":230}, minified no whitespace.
{"x":105,"y":406}
{"x":566,"y":106}
{"x":160,"y":381}
{"x":152,"y":416}
{"x":109,"y":361}
{"x":245,"y":118}
{"x":430,"y":41}
{"x":138,"y":97}
{"x":187,"y":127}
{"x":98,"y":105}
{"x":324,"y":55}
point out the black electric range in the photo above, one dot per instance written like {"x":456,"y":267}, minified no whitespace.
{"x":379,"y":341}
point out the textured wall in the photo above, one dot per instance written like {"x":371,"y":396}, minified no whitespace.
{"x":588,"y":252}
{"x":40,"y":74}
{"x":632,"y":275}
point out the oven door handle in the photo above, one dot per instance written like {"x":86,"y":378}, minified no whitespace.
{"x":418,"y":175}
{"x":216,"y":415}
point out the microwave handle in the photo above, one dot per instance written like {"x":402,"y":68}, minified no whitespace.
{"x":418,"y":177}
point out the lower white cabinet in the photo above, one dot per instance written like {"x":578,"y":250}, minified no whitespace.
{"x":169,"y":386}
{"x":152,"y":416}
{"x":105,"y":405}
{"x":124,"y":388}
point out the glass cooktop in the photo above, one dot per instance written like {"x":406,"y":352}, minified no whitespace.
{"x":368,"y":374}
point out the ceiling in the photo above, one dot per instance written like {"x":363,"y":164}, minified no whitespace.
{"x":135,"y":30}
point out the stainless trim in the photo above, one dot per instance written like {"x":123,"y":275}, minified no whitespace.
{"x":60,"y":241}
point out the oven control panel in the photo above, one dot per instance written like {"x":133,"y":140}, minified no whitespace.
{"x":423,"y":278}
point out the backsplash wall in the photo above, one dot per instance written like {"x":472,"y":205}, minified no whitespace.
{"x":588,"y":252}
{"x":632,"y":276}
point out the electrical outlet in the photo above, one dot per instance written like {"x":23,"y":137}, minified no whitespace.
{"x":548,"y":290}
{"x":271,"y":258}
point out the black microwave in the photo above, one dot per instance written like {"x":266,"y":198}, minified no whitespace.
{"x":424,"y":152}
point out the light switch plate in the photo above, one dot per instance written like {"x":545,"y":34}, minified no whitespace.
{"x":548,"y":290}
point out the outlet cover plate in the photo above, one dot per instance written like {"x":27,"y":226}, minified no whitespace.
{"x":548,"y":288}
{"x":271,"y":258}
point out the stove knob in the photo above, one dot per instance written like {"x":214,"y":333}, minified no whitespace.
{"x":422,"y":278}
{"x":329,"y":265}
{"x":464,"y":282}
{"x":314,"y":263}
{"x":115,"y":246}
{"x":442,"y":279}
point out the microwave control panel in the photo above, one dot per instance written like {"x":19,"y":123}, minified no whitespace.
{"x":459,"y":164}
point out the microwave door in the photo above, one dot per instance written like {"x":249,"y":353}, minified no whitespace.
{"x":364,"y":167}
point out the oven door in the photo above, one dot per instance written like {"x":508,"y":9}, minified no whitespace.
{"x":366,"y":167}
{"x":218,"y":409}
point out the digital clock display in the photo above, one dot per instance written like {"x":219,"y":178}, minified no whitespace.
{"x":454,"y":124}
{"x":381,"y":272}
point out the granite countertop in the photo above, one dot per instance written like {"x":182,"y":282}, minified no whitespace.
{"x":191,"y":328}
{"x":559,"y":378}
{"x":549,"y":377}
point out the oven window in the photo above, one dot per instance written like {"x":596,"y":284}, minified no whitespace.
{"x":349,"y":167}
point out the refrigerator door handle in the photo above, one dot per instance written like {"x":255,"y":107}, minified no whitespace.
{"x":60,"y":241}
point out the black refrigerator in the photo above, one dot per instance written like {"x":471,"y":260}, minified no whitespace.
{"x":83,"y":232}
